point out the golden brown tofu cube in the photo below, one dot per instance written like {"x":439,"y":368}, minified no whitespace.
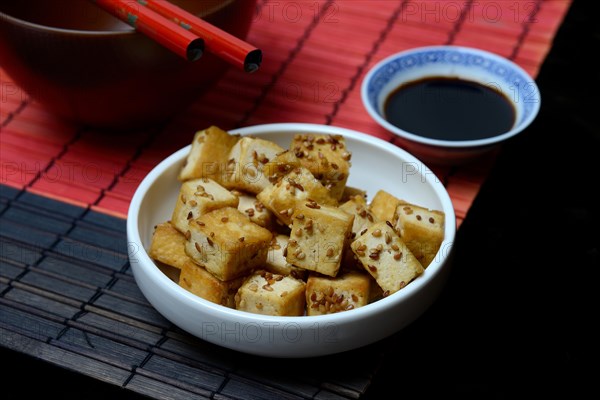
{"x":421,"y":229}
{"x":363,"y":218}
{"x":254,"y":209}
{"x":327,"y":295}
{"x":168,"y":246}
{"x":272,"y":294}
{"x":276,"y":258}
{"x":319,"y":235}
{"x":327,"y":157}
{"x":197,"y":280}
{"x":227,"y":243}
{"x":383,"y":206}
{"x":208,"y":155}
{"x":385,"y":256}
{"x":281,"y":165}
{"x":246,"y":162}
{"x":294,"y":190}
{"x":197,"y":197}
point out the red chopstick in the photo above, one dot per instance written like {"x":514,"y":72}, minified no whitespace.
{"x":224,"y":45}
{"x":165,"y":32}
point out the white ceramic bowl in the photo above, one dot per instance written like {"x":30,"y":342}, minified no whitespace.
{"x":458,"y":62}
{"x":376,"y":165}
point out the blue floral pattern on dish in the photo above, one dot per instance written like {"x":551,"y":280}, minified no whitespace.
{"x":519,"y":84}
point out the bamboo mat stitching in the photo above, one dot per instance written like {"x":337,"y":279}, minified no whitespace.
{"x":526,"y":26}
{"x":54,"y":158}
{"x":368,"y":57}
{"x":459,"y":22}
{"x":12,"y":114}
{"x":284,"y":65}
{"x":149,"y":355}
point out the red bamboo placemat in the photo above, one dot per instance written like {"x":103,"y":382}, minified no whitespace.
{"x":315,"y":56}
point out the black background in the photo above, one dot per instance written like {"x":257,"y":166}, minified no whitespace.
{"x":517,"y":317}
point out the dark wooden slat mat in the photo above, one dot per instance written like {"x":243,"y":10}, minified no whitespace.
{"x":67,"y":297}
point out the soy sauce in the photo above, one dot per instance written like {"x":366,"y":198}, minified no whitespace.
{"x":449,"y":109}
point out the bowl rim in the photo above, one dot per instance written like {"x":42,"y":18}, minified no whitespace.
{"x":126,"y":31}
{"x":439,"y":142}
{"x":152,"y":272}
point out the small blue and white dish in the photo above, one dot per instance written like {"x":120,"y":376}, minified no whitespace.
{"x":446,"y":65}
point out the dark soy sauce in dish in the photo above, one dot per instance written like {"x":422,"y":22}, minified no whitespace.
{"x":449,"y":108}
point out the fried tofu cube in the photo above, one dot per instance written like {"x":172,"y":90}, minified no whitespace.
{"x":421,"y":229}
{"x":197,"y":197}
{"x":375,"y":291}
{"x":197,"y":280}
{"x":327,"y":295}
{"x":276,"y":258}
{"x":293,"y":190}
{"x":327,"y":157}
{"x":383,"y":206}
{"x":168,"y":246}
{"x":168,"y":249}
{"x":386,"y":257}
{"x":227,"y":243}
{"x":254,"y":209}
{"x":281,"y":165}
{"x":208,"y":155}
{"x":245,"y":164}
{"x":363,"y":218}
{"x":319,"y":235}
{"x":272,"y":294}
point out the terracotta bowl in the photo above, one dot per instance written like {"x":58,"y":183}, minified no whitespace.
{"x":87,"y":66}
